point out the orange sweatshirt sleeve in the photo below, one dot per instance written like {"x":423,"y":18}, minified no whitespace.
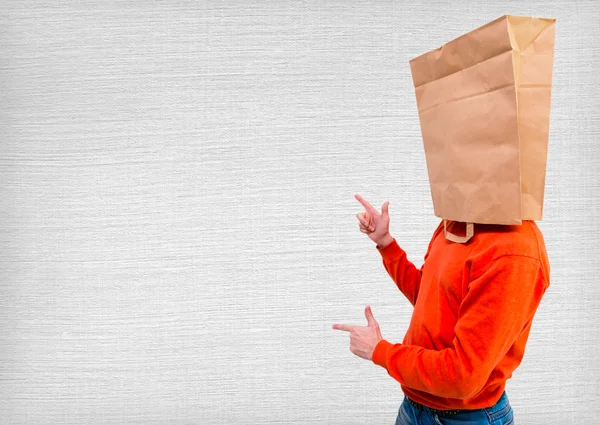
{"x":499,"y":303}
{"x":405,"y":274}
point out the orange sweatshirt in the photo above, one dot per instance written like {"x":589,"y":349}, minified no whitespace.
{"x":473,"y":308}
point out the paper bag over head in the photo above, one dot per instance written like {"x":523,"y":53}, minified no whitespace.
{"x":484,"y":109}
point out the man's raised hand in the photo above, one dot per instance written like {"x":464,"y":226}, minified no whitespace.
{"x":375,"y":225}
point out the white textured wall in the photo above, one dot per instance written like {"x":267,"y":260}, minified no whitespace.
{"x":178,"y":227}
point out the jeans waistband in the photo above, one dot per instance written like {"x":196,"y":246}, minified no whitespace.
{"x":420,"y":406}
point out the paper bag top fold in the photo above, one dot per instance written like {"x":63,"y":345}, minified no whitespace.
{"x":492,"y":39}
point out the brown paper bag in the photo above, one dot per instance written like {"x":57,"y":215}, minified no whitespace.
{"x":484,"y":109}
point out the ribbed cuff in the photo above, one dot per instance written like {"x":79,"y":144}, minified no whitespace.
{"x":391,"y":251}
{"x":380,"y":352}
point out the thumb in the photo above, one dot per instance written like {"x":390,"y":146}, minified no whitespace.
{"x":384,"y":208}
{"x":369,"y":315}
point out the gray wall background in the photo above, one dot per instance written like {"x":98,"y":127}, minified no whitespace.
{"x":178,"y":228}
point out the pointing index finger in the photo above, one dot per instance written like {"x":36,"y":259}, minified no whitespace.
{"x":365,"y":204}
{"x":343,"y":327}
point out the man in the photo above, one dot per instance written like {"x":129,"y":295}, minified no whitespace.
{"x":474,"y":303}
{"x":484,"y":109}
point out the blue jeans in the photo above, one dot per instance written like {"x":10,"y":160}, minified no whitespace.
{"x":500,"y":413}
